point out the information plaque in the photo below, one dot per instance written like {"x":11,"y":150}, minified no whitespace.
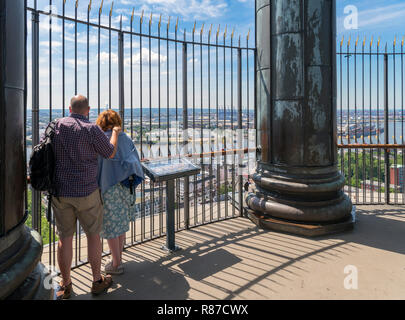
{"x":168,"y":170}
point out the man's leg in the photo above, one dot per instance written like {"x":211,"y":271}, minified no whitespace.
{"x":65,"y":220}
{"x":65,"y":254}
{"x":90,"y":215}
{"x":94,"y":255}
{"x":100,"y":283}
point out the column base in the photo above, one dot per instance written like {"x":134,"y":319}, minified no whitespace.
{"x":308,"y":198}
{"x":268,"y":222}
{"x":22,"y":276}
{"x":33,"y":288}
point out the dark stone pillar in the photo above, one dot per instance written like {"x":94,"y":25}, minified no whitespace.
{"x":297,"y":184}
{"x":21,"y":276}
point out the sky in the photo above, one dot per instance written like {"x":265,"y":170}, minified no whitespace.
{"x":375,"y":18}
{"x":379,"y":21}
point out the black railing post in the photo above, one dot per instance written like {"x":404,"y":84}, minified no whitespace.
{"x":185,"y":137}
{"x":63,"y":58}
{"x":36,"y":196}
{"x":386,"y":132}
{"x":88,"y":51}
{"x":121,"y":74}
{"x":240,"y":135}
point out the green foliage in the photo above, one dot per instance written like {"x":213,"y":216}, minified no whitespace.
{"x":44,"y":225}
{"x":224,"y":190}
{"x":364,"y":165}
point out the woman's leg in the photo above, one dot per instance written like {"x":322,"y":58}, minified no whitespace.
{"x":121,"y":244}
{"x":114,"y":206}
{"x":114,"y":245}
{"x":112,"y":199}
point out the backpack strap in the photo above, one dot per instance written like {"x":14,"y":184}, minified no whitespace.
{"x":50,"y":129}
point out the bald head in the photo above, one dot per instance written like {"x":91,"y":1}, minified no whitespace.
{"x":79,"y":104}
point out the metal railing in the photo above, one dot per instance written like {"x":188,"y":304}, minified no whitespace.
{"x":171,"y":88}
{"x":178,"y":95}
{"x":371,"y":121}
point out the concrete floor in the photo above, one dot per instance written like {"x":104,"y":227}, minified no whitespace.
{"x":233,"y":259}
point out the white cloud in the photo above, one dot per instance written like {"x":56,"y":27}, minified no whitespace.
{"x":55,"y":44}
{"x":188,"y":10}
{"x":44,"y":26}
{"x":136,"y":58}
{"x":80,"y":62}
{"x":127,"y":43}
{"x":105,"y":57}
{"x":82,"y":38}
{"x":161,"y":1}
{"x":373,"y":17}
{"x":117,"y":19}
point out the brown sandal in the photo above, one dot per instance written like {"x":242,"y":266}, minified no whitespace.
{"x":100,"y":287}
{"x":64,"y":292}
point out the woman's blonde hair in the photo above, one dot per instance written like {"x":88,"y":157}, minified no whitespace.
{"x":108,"y":120}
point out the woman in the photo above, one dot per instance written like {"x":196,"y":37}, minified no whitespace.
{"x":114,"y":178}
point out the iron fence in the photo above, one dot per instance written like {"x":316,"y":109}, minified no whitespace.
{"x":192,"y":95}
{"x":178,"y":94}
{"x":371,"y":120}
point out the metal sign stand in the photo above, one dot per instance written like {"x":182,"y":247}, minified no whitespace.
{"x":168,"y":170}
{"x":170,"y":237}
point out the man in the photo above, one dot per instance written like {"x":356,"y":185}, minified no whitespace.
{"x":78,"y":143}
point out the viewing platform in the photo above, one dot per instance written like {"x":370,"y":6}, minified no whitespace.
{"x":306,"y":131}
{"x":234,"y":259}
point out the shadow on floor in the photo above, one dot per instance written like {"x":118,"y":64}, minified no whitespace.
{"x":209,"y":252}
{"x":145,"y":281}
{"x":377,"y":227}
{"x":203,"y":266}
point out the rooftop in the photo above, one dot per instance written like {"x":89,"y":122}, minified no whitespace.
{"x":233,"y":259}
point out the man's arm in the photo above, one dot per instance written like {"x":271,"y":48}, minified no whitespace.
{"x":107,"y":149}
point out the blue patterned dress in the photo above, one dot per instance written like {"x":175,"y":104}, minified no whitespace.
{"x":117,"y":211}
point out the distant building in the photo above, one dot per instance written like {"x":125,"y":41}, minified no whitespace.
{"x":397,"y":176}
{"x":375,"y":186}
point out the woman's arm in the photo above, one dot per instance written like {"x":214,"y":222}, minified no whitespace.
{"x":114,"y":139}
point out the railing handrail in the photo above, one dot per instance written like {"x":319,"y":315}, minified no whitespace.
{"x":371,"y":146}
{"x":222,"y":152}
{"x":370,"y":53}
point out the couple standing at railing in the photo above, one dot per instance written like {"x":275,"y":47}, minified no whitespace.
{"x":97,"y":168}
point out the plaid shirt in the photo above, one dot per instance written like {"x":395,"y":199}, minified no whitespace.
{"x":78,"y":142}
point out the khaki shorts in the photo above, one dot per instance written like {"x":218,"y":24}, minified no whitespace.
{"x":89,"y":211}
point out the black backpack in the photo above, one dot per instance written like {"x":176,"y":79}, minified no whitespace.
{"x":42,"y":162}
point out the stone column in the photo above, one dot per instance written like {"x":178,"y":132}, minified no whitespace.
{"x":21,"y":276}
{"x":298,"y":187}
